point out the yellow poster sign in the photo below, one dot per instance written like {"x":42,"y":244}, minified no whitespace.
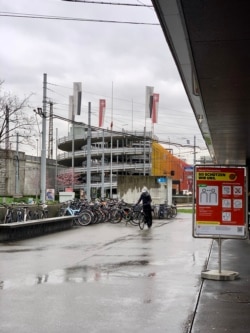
{"x":217,"y":176}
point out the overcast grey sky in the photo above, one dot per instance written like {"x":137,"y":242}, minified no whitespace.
{"x":127,"y":57}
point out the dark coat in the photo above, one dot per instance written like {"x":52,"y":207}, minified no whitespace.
{"x":145,"y":198}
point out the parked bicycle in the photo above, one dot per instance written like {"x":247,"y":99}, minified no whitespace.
{"x":167,"y":211}
{"x":41,"y":212}
{"x":122,"y":211}
{"x":9,"y":214}
{"x":81,"y":217}
{"x":16,"y":213}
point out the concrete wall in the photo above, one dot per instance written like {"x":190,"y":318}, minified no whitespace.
{"x":129,"y":189}
{"x":33,"y":175}
{"x":11,"y":167}
{"x":23,"y":178}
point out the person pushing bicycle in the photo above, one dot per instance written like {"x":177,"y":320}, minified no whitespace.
{"x":146,"y":199}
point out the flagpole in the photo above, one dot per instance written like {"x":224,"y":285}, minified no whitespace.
{"x":102,"y":189}
{"x":111,"y":146}
{"x":144,"y":148}
{"x":132,"y":116}
{"x":144,"y":143}
{"x":89,"y":154}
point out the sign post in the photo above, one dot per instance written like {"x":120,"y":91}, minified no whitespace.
{"x":221,"y":210}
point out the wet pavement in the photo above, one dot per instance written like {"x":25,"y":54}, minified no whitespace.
{"x":224,"y":306}
{"x":104,"y":278}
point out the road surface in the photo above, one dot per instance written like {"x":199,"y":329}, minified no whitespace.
{"x":103,"y":278}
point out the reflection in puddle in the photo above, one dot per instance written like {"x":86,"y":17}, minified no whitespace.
{"x":20,"y":250}
{"x":79,"y":274}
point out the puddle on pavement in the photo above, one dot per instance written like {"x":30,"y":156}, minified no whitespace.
{"x":84,"y":274}
{"x":18,"y":250}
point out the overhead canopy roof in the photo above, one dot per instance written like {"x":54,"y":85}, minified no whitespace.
{"x":209,"y":40}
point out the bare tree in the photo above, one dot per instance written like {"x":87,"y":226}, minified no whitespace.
{"x":15,"y":118}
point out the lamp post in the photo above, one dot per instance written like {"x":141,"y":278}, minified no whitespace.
{"x":42,"y":113}
{"x":36,"y":147}
{"x":194,"y":147}
{"x":194,"y":150}
{"x":17,"y":166}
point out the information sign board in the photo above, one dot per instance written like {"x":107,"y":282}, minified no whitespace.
{"x":220,"y":193}
{"x":161,"y":180}
{"x":189,"y":169}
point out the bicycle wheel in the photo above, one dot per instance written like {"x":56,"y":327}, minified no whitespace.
{"x":107,"y":215}
{"x":30,"y":216}
{"x":116,"y":216}
{"x":61,"y":212}
{"x":19,"y":216}
{"x":167,"y":213}
{"x":134,"y":218}
{"x":174,"y":211}
{"x":84,"y":219}
{"x":44,"y":214}
{"x":134,"y":222}
{"x":141,"y":221}
{"x":8,"y":218}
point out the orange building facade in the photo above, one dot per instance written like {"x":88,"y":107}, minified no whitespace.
{"x":165,"y":164}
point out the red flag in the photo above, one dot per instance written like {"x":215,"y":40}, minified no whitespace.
{"x":156,"y":98}
{"x":102,"y":106}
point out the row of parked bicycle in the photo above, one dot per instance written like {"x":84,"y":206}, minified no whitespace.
{"x":21,"y":213}
{"x":113,"y":211}
{"x":85,"y":213}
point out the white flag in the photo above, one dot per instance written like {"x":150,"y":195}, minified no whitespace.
{"x":149,"y":101}
{"x":77,"y":92}
{"x":70,"y":107}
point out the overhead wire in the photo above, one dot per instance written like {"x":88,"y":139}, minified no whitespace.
{"x":111,"y":3}
{"x":34,"y":16}
{"x":78,"y":19}
{"x":126,"y":133}
{"x":123,"y":111}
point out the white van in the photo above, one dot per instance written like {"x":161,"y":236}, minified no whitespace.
{"x":186,"y":192}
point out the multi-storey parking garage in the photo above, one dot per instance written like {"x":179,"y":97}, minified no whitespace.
{"x":110,"y":154}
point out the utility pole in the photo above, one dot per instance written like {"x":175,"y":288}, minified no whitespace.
{"x":17,"y":165}
{"x":88,"y":153}
{"x":56,"y":181}
{"x":111,"y":147}
{"x":144,"y":150}
{"x":102,"y":189}
{"x":194,"y":150}
{"x":73,"y":145}
{"x":43,"y":151}
{"x":7,"y":128}
{"x":50,"y":148}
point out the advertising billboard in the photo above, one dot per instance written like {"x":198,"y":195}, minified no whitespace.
{"x":50,"y":194}
{"x":220,"y":196}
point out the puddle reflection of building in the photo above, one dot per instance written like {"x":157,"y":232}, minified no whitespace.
{"x":149,"y":277}
{"x":85,"y":273}
{"x":42,"y":278}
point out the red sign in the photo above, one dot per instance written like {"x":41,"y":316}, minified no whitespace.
{"x":68,"y":189}
{"x":220,"y":202}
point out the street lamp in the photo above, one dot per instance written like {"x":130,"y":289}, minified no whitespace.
{"x":194,"y":148}
{"x":123,"y":127}
{"x":42,"y":114}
